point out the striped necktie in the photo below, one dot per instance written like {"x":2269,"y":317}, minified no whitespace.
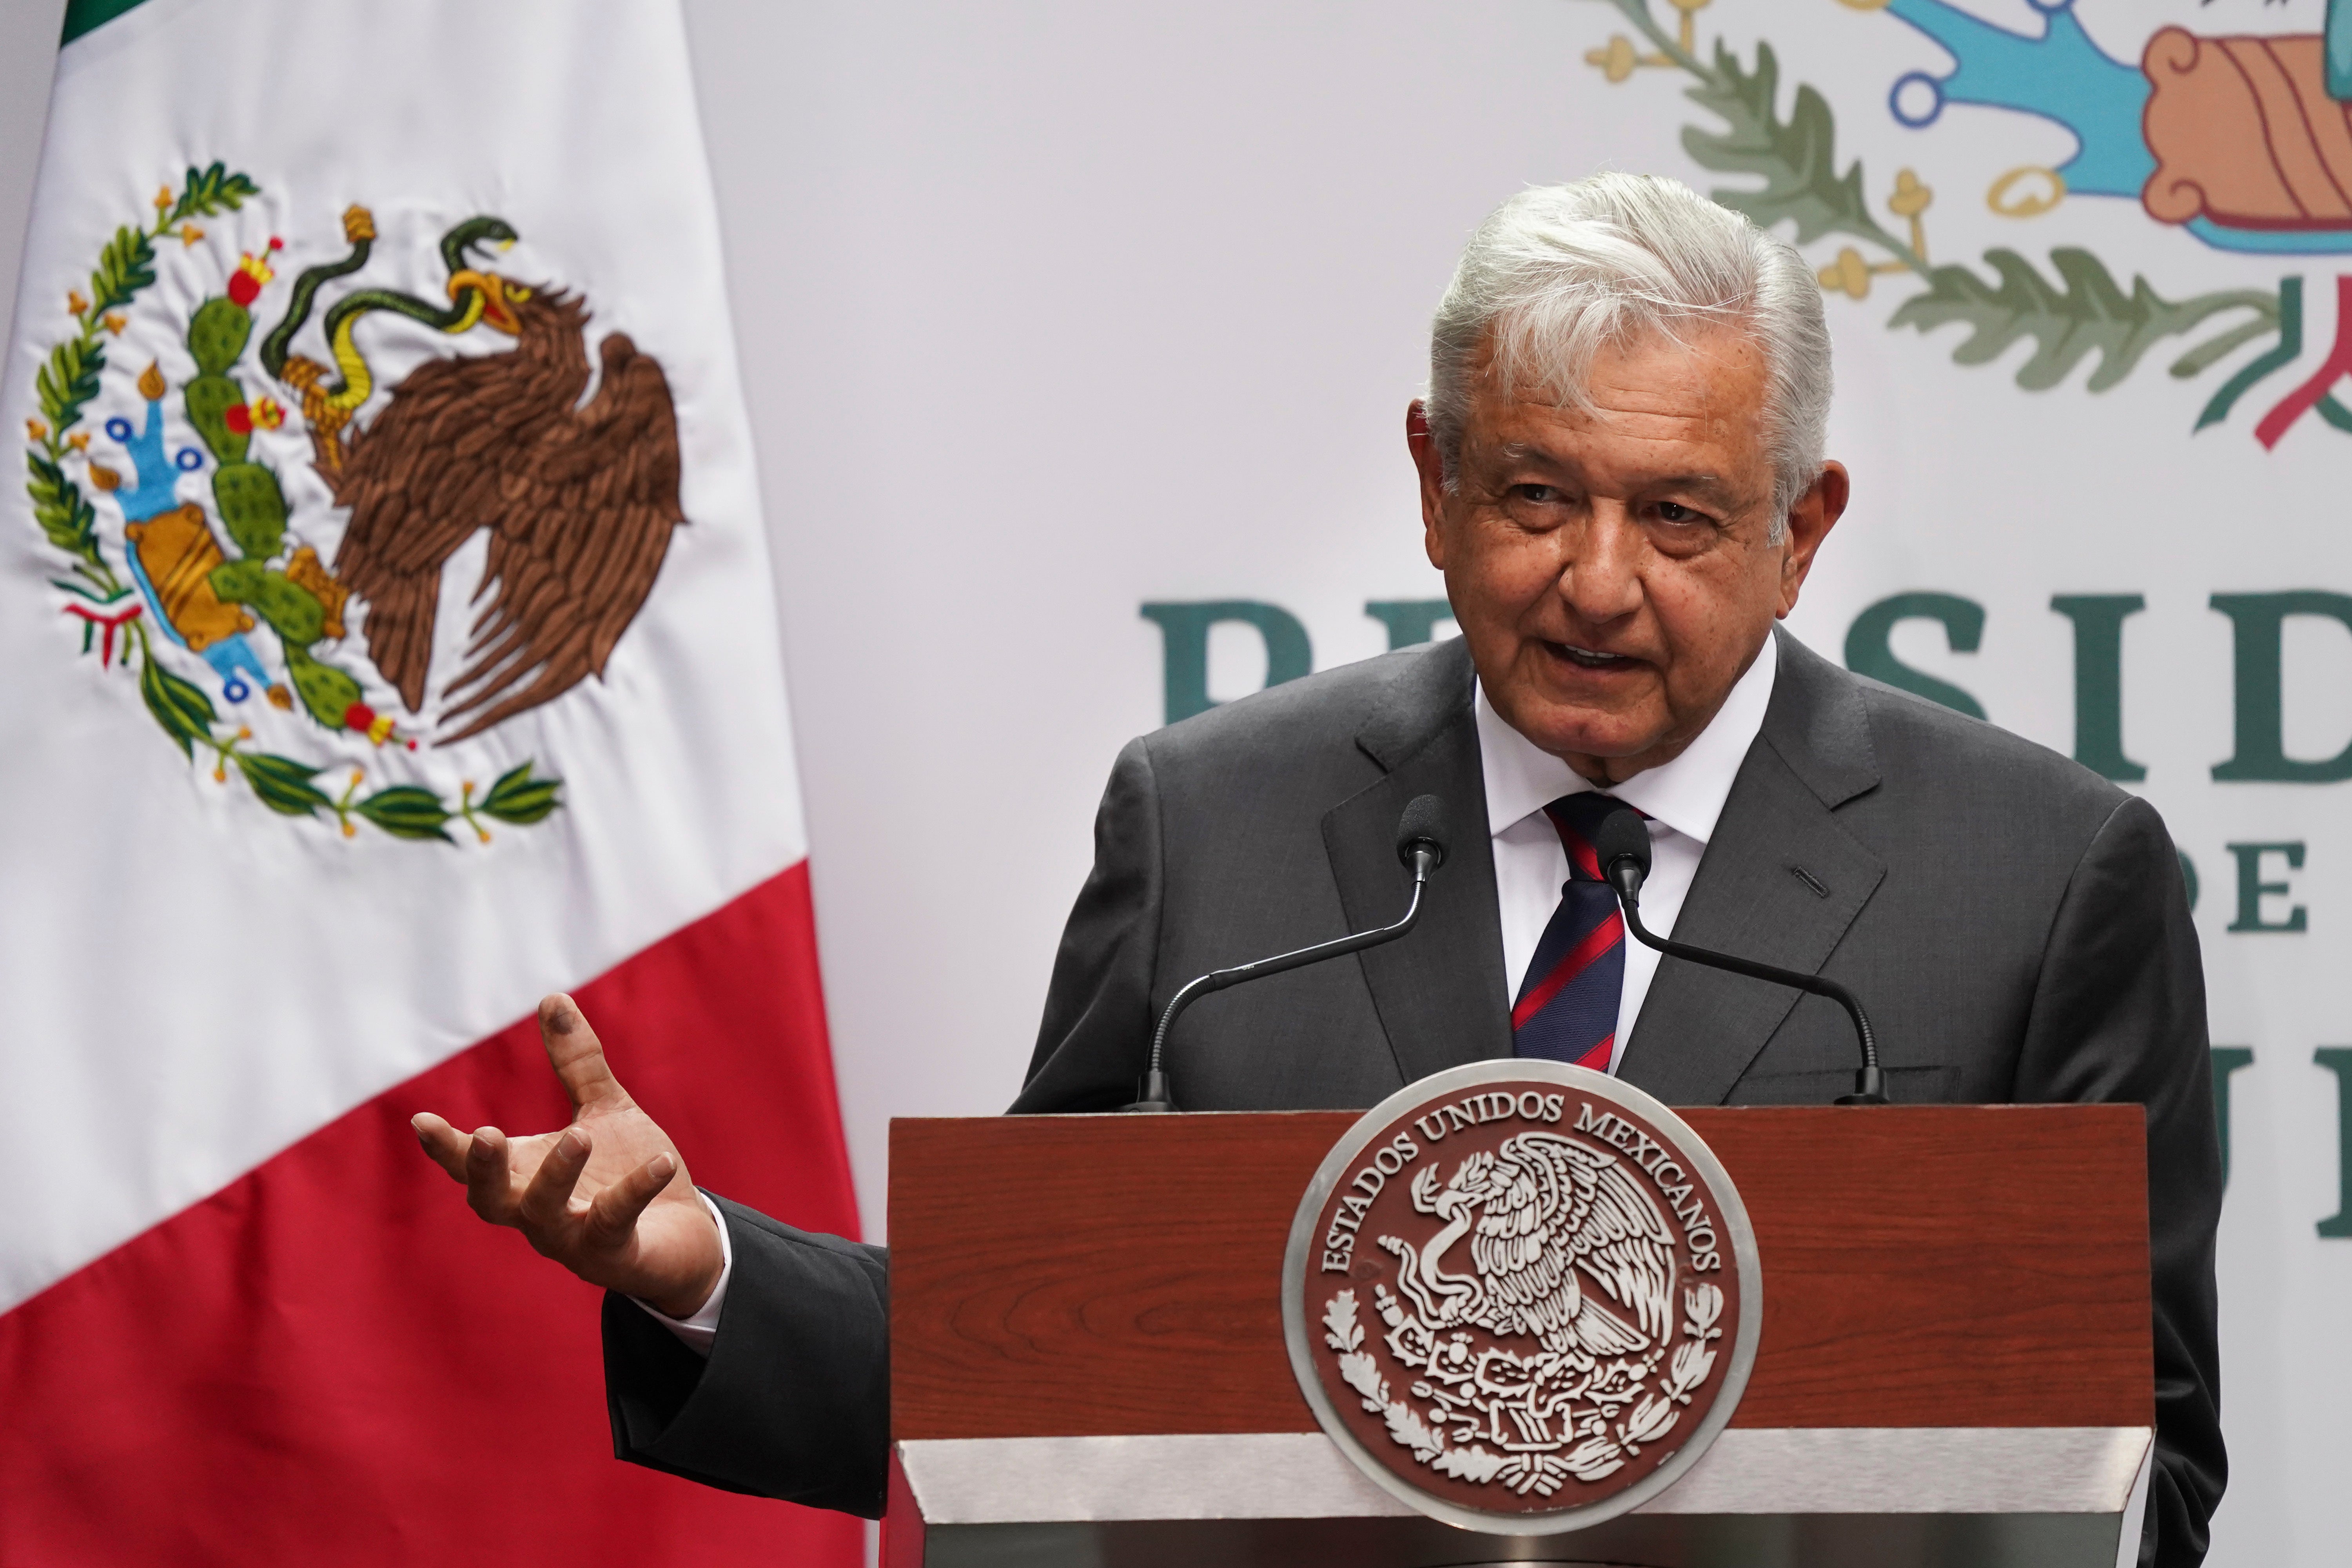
{"x":1566,"y":1006}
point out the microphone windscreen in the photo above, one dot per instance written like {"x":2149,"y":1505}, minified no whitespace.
{"x":1423,"y":823}
{"x":1623,"y":833}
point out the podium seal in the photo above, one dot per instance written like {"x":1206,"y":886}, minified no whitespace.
{"x":1523,"y":1297}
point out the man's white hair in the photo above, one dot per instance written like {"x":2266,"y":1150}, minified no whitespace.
{"x":1558,"y":273}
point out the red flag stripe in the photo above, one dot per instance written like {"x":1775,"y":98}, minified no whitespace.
{"x":1597,"y":940}
{"x":332,"y":1361}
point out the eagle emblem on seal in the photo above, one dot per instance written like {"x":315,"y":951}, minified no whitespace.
{"x":1564,"y":1249}
{"x":1512,"y":1295}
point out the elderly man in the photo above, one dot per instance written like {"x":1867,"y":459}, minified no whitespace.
{"x":1623,"y":479}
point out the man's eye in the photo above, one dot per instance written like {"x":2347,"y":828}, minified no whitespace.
{"x":1543,"y":495}
{"x":1674,"y":511}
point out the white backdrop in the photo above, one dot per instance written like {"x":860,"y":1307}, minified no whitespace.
{"x":1052,"y":310}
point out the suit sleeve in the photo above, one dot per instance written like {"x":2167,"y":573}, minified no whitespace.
{"x":795,"y":1400}
{"x":1096,"y":1038}
{"x":2119,"y":1016}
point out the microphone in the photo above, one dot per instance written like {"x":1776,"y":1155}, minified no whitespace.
{"x":1621,"y":844}
{"x":1419,"y":845}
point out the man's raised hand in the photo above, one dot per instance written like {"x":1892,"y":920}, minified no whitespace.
{"x":607,"y":1197}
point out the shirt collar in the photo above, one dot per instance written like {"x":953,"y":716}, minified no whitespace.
{"x":1686,"y":794}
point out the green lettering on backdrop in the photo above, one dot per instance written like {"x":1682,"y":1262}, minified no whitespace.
{"x":2337,"y":1059}
{"x":2227,"y":1059}
{"x":86,"y":15}
{"x":1409,"y":621}
{"x":1869,"y":649}
{"x":2099,"y":679}
{"x":2253,"y":890}
{"x":1185,"y":644}
{"x":2257,"y":621}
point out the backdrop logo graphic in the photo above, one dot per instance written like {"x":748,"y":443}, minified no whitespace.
{"x":2244,"y":142}
{"x":1521,"y":1295}
{"x":211,"y":588}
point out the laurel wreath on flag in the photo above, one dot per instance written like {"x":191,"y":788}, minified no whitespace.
{"x":1605,"y":1445}
{"x":113,"y":611}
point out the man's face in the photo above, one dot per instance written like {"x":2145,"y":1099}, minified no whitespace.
{"x":1610,"y":569}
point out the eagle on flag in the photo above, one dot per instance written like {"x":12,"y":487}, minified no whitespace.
{"x":580,"y":496}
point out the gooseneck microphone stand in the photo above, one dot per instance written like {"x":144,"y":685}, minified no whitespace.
{"x":1623,"y":845}
{"x":1421,"y":844}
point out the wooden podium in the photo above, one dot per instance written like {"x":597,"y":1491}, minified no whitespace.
{"x":1087,"y":1362}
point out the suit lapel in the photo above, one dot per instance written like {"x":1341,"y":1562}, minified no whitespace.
{"x":1700,"y":1028}
{"x":1440,"y":991}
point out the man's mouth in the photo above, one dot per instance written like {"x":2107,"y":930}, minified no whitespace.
{"x":1591,"y":658}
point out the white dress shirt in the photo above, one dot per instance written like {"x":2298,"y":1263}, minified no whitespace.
{"x":697,"y":1331}
{"x":1683,"y":798}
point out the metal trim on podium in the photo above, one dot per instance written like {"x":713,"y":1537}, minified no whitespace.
{"x":1760,"y":1498}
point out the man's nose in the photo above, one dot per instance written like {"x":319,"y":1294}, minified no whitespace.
{"x":1602,"y":579}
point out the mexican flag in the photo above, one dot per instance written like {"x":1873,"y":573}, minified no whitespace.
{"x":390,"y":640}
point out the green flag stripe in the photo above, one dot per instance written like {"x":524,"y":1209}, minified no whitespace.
{"x":84,"y":16}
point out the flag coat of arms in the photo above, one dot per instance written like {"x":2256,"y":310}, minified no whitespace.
{"x":392,"y":641}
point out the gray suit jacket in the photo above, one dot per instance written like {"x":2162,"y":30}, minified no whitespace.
{"x":2017,"y":927}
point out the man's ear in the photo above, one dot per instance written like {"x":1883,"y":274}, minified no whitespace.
{"x":1430,"y":464}
{"x":1809,"y":522}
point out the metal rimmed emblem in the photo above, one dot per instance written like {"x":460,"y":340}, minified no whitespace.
{"x":1521,"y":1295}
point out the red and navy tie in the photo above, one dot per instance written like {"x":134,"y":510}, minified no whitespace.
{"x":1567,"y":1008}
